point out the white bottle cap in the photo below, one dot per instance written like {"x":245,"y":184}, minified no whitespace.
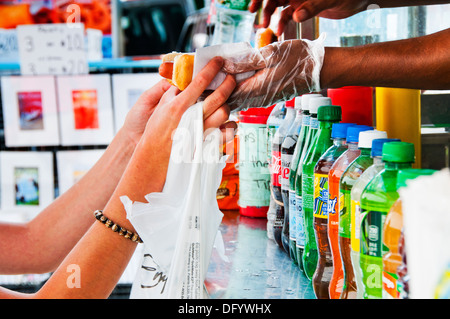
{"x":366,"y":137}
{"x":315,"y":102}
{"x":298,"y":103}
{"x":305,"y":100}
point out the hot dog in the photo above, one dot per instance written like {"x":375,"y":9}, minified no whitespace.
{"x":178,"y":68}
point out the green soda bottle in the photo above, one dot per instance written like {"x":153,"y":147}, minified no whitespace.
{"x":326,"y":115}
{"x":295,"y":179}
{"x":348,"y":179}
{"x":376,"y":201}
{"x":356,"y":191}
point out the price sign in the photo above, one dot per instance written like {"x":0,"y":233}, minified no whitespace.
{"x":52,"y":49}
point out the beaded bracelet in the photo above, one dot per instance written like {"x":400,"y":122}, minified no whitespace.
{"x":116,"y":228}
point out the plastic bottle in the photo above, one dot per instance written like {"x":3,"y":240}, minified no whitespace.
{"x":320,"y":143}
{"x":356,"y":191}
{"x":348,"y":179}
{"x":402,"y":269}
{"x":288,"y":157}
{"x":334,"y":176}
{"x":376,"y":200}
{"x":276,"y":172}
{"x":391,"y":236}
{"x":234,"y":23}
{"x":287,"y":152}
{"x":273,"y":123}
{"x":295,"y":179}
{"x":321,"y":170}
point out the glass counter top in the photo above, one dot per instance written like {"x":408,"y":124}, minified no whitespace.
{"x":257,"y":268}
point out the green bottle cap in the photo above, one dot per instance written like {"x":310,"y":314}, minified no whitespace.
{"x":398,"y":152}
{"x":329,"y":113}
{"x":411,"y":173}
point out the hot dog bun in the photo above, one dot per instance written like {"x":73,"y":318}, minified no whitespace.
{"x":178,"y":68}
{"x":264,"y":37}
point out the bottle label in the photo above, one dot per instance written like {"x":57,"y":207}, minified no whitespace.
{"x":305,"y":120}
{"x":279,"y":219}
{"x":285,"y":170}
{"x":321,"y":196}
{"x":371,"y":252}
{"x":371,"y":269}
{"x":276,"y":168}
{"x":308,"y":191}
{"x":355,"y":225}
{"x":390,"y":288}
{"x":271,"y":130}
{"x":300,"y":237}
{"x":314,"y":123}
{"x":292,"y":215}
{"x":344,"y":213}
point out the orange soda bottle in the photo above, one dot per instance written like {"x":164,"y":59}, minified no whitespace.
{"x":336,"y":171}
{"x":391,"y":236}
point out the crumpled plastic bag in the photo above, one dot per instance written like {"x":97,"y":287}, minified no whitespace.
{"x":284,"y":70}
{"x":180,"y":225}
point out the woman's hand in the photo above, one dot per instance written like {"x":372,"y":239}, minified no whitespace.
{"x":147,"y":170}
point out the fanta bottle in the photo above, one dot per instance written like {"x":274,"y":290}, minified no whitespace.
{"x":334,"y":176}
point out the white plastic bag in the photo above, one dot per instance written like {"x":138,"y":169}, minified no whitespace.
{"x":179,"y":226}
{"x":426,"y":214}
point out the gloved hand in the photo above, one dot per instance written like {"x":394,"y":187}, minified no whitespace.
{"x":284,"y":70}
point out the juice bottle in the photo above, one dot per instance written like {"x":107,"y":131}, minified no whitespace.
{"x":376,"y":200}
{"x":287,"y":153}
{"x":334,"y":176}
{"x":356,"y":191}
{"x":302,"y":113}
{"x":338,"y":134}
{"x":273,"y":123}
{"x":402,"y":269}
{"x":391,"y":236}
{"x":322,"y":274}
{"x":278,"y":139}
{"x":296,"y":180}
{"x":320,"y":143}
{"x":348,"y":179}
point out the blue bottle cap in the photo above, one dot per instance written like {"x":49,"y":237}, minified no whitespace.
{"x":353,"y":132}
{"x":377,"y":145}
{"x":339,"y":130}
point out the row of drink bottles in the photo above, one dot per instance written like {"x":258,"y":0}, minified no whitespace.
{"x":334,"y":204}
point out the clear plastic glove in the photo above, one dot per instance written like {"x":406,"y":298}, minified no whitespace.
{"x":284,"y":70}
